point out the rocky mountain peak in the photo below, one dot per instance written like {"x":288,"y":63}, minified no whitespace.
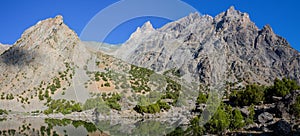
{"x":232,"y":11}
{"x":59,"y":19}
{"x":267,"y":29}
{"x":232,"y":14}
{"x":147,"y":27}
{"x":252,"y":55}
{"x":192,"y":17}
{"x":234,"y":20}
{"x":51,"y":31}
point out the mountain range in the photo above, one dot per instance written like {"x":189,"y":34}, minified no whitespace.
{"x":49,"y":62}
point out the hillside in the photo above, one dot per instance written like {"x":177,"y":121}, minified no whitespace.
{"x":174,"y":75}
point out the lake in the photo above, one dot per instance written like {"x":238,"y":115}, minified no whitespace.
{"x":36,"y":126}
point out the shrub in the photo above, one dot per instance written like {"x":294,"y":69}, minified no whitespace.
{"x":237,"y":120}
{"x":282,"y":87}
{"x":3,"y":112}
{"x":107,"y":84}
{"x":253,"y":94}
{"x":202,"y":98}
{"x":152,"y":108}
{"x":62,"y":106}
{"x":194,"y":128}
{"x":250,"y":118}
{"x":295,"y":108}
{"x":220,"y":121}
{"x":97,"y":103}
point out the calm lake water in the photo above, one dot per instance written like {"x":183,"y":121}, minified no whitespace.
{"x":67,"y":127}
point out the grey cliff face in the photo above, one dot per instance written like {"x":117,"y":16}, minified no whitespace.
{"x":203,"y":46}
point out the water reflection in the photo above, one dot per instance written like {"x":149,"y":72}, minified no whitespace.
{"x":47,"y":127}
{"x":64,"y":127}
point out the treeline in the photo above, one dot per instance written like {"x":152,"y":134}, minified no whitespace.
{"x":254,"y":94}
{"x":229,"y":117}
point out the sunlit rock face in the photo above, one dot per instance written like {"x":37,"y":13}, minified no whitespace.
{"x":201,"y":46}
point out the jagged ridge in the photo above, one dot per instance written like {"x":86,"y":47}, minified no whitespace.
{"x":192,"y":43}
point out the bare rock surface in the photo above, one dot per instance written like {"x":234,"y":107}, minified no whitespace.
{"x":191,"y":44}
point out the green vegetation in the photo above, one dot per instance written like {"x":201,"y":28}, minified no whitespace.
{"x":237,"y":120}
{"x":104,"y":103}
{"x":62,"y":106}
{"x":44,"y":89}
{"x":194,"y":128}
{"x":220,"y":121}
{"x":97,"y":103}
{"x":250,"y":118}
{"x":282,"y":87}
{"x":295,"y":108}
{"x":152,"y":108}
{"x":2,"y":96}
{"x":2,"y":112}
{"x":54,"y":86}
{"x":172,"y":90}
{"x":104,"y":77}
{"x":140,"y":77}
{"x":112,"y":101}
{"x":9,"y":96}
{"x":225,"y":118}
{"x":253,"y":94}
{"x":90,"y":127}
{"x":202,"y":98}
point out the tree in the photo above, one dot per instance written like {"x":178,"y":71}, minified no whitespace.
{"x":283,"y":87}
{"x":195,"y":129}
{"x":250,"y":118}
{"x":253,"y":94}
{"x":237,"y":119}
{"x":220,"y":120}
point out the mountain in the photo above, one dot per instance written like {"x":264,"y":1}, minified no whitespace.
{"x":33,"y":63}
{"x":164,"y":74}
{"x":201,"y":47}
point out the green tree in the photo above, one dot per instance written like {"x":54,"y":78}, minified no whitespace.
{"x":195,"y":129}
{"x":237,"y":120}
{"x":250,"y":118}
{"x":253,"y":94}
{"x":283,"y":87}
{"x":220,"y":121}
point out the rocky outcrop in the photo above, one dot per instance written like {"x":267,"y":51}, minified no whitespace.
{"x":229,"y":46}
{"x":282,"y":128}
{"x":283,"y":107}
{"x":3,"y":47}
{"x":265,"y":117}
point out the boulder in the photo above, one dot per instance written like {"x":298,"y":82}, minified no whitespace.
{"x":265,"y":117}
{"x":282,"y":128}
{"x":283,"y":107}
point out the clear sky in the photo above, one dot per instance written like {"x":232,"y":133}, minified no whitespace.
{"x":17,"y":15}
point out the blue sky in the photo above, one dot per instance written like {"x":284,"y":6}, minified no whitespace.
{"x":17,"y":15}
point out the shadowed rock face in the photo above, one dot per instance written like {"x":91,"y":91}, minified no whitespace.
{"x":203,"y":46}
{"x":17,"y":57}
